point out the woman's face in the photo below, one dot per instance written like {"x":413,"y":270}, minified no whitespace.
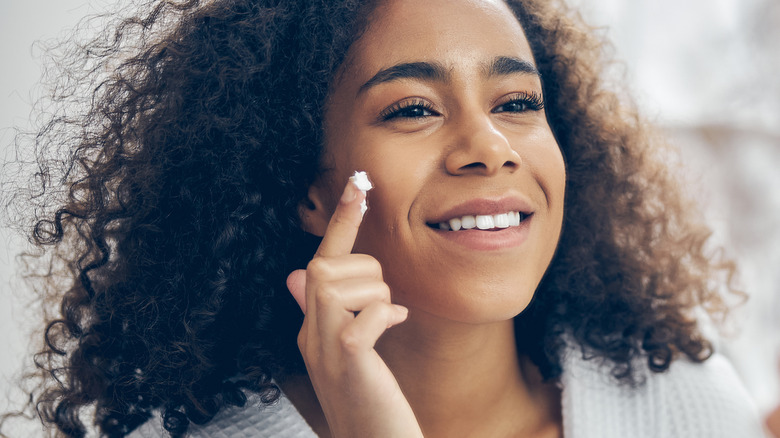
{"x":439,"y":101}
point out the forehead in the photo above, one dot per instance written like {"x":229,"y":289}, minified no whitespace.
{"x":447,"y":31}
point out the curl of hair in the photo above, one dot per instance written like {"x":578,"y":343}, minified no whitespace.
{"x":179,"y":221}
{"x":632,"y":267}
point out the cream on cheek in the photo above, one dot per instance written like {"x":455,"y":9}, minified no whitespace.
{"x":391,"y":232}
{"x":383,"y":228}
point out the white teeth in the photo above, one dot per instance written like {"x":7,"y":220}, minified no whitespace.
{"x":485,"y":222}
{"x":502,"y":220}
{"x":514,"y":219}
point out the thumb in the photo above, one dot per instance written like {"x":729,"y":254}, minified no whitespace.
{"x":296,"y":283}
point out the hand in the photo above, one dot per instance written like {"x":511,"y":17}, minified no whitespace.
{"x":347,"y":308}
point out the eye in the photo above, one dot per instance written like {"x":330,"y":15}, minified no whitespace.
{"x":408,"y":109}
{"x":520,"y":102}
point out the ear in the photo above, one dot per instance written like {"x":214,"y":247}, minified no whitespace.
{"x":313,"y":210}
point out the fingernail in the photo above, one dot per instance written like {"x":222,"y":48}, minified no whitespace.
{"x":401,"y":314}
{"x":350,"y":193}
{"x":402,"y":311}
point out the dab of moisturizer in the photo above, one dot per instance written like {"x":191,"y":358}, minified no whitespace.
{"x":360,"y":180}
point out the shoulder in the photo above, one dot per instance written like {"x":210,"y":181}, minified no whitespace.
{"x":255,"y":420}
{"x":687,"y":400}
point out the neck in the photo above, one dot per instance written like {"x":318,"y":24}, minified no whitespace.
{"x":463,"y":380}
{"x":467,"y":379}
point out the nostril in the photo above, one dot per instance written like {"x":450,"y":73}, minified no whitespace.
{"x":512,"y":164}
{"x":482,"y":155}
{"x":476,"y":165}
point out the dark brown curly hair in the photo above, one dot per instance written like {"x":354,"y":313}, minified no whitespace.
{"x":168,"y":247}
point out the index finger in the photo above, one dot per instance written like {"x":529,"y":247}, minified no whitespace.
{"x":343,"y":227}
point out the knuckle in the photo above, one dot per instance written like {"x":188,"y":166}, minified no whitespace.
{"x":319,"y":267}
{"x":385,"y":311}
{"x":380,"y":292}
{"x":381,"y":311}
{"x":374,"y":265}
{"x":350,"y":341}
{"x":384,"y":292}
{"x":370,"y":265}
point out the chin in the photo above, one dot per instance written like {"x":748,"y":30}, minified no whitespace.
{"x":476,"y":308}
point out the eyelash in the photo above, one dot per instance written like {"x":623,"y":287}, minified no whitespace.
{"x":530,"y":102}
{"x":397,"y":109}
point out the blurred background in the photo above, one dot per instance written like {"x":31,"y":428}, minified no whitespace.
{"x":706,"y":71}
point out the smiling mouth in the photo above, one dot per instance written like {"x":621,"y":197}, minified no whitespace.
{"x":492,"y":222}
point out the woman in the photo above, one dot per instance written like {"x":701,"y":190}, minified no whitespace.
{"x":525,"y":266}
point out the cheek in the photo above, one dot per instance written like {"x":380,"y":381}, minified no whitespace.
{"x":554,"y":187}
{"x":386,"y":222}
{"x":390,"y":232}
{"x":544,"y":158}
{"x":399,"y":173}
{"x":552,"y":180}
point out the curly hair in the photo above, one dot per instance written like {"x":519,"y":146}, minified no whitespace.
{"x":179,"y":219}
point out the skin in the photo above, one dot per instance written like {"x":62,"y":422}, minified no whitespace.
{"x":773,"y":422}
{"x":429,"y":143}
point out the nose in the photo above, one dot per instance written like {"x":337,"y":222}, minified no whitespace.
{"x":480,"y":149}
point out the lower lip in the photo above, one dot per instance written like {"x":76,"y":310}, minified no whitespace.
{"x":489,"y":240}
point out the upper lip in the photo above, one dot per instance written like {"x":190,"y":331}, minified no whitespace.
{"x":484,"y":206}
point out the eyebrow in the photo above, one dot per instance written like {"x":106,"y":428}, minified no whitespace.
{"x":433,"y":71}
{"x":505,"y":65}
{"x":430,"y":71}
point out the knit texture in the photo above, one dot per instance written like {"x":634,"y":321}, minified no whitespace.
{"x":689,"y":400}
{"x":254,"y":420}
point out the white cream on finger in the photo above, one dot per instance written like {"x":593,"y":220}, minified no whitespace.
{"x":360,"y":180}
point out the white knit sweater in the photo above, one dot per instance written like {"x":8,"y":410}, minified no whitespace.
{"x":688,"y":401}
